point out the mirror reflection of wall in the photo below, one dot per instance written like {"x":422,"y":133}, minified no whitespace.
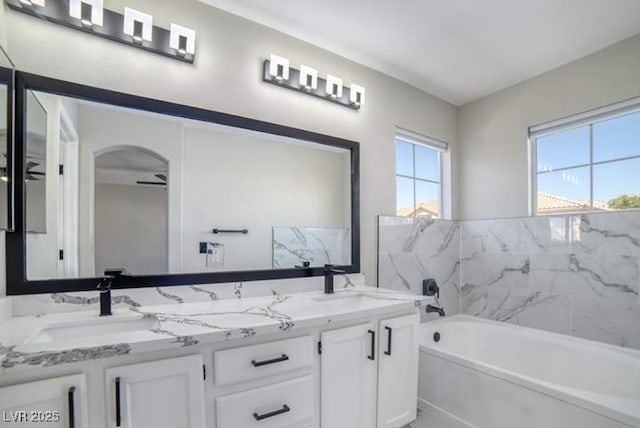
{"x":4,"y":177}
{"x":149,"y":189}
{"x":35,"y":169}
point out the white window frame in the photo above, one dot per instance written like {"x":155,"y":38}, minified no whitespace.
{"x":588,"y":118}
{"x":442,"y":148}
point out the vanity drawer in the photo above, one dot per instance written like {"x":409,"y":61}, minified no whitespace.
{"x":282,"y":405}
{"x":267,"y":359}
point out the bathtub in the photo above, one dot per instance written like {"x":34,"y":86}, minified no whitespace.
{"x":487,"y":374}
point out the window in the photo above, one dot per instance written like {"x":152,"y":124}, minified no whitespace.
{"x":589,"y":162}
{"x":418,"y":175}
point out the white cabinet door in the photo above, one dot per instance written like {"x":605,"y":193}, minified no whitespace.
{"x":158,"y":394}
{"x":398,"y":371}
{"x":55,"y":403}
{"x":348,"y":377}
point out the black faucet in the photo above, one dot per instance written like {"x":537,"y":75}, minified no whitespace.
{"x":104,"y":288}
{"x":329,"y":272}
{"x":431,"y":308}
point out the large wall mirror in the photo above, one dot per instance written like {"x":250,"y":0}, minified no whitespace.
{"x":171,"y":194}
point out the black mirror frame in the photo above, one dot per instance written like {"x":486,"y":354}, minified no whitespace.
{"x":7,"y":78}
{"x":17,"y":283}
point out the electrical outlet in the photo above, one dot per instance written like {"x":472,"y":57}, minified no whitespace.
{"x":215,"y":255}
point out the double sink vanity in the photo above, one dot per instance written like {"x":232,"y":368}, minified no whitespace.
{"x":308,"y":359}
{"x":189,"y":202}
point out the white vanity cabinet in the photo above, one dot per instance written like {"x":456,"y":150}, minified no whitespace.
{"x":57,"y":403}
{"x":369,"y":373}
{"x":288,"y":398}
{"x":398,"y":371}
{"x":158,"y":394}
{"x":348,"y":377}
{"x":354,"y":370}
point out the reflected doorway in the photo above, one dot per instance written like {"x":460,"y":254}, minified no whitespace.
{"x":131,"y":211}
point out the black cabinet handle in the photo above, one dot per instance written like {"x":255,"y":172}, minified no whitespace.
{"x":372,"y":356}
{"x":118,"y":414}
{"x":72,"y":410}
{"x":255,"y":363}
{"x":389,"y":336}
{"x":284,"y":409}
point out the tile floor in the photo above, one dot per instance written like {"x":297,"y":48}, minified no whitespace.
{"x":426,"y":421}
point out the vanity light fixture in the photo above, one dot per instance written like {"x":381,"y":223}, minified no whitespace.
{"x":277,"y":71}
{"x":33,"y":2}
{"x":89,"y":12}
{"x":278,"y":68}
{"x":133,"y":27}
{"x":138,"y":25}
{"x":334,"y":87}
{"x":308,"y":78}
{"x":356,"y":95}
{"x":183,"y":40}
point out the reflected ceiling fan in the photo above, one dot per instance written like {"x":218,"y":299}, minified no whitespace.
{"x":30,"y":174}
{"x":162,"y":182}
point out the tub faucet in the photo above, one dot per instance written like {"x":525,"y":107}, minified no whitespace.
{"x":431,"y":308}
{"x":329,"y":272}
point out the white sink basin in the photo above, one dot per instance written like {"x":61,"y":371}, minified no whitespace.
{"x":84,"y":329}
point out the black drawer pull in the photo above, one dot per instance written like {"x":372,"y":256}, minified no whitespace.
{"x":255,"y":363}
{"x":372,"y":356}
{"x":284,"y":409}
{"x":389,"y":336}
{"x":72,"y":410}
{"x":118,"y":415}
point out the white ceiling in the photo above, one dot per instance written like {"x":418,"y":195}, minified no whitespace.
{"x":458,"y":50}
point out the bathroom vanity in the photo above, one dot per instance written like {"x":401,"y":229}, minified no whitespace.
{"x":285,"y":360}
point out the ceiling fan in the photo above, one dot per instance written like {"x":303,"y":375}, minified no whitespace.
{"x":162,"y":182}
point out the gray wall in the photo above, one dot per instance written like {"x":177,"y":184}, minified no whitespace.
{"x":3,"y":33}
{"x":131,"y":220}
{"x":493,"y":131}
{"x":227,"y":77}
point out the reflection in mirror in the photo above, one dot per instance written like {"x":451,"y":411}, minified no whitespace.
{"x":131,"y":211}
{"x":36,"y":165}
{"x":144,"y":192}
{"x":4,"y":172}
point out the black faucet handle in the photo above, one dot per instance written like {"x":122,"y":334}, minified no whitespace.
{"x":332,"y":269}
{"x":305,"y":265}
{"x":430,"y":288}
{"x":105,"y":284}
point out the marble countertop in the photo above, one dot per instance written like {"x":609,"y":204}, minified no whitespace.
{"x":44,"y":340}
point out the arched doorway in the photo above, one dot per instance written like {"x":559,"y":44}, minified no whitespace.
{"x":131,"y":211}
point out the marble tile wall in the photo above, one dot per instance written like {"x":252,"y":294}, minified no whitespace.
{"x":319,"y":246}
{"x":571,"y":274}
{"x":413,"y":249}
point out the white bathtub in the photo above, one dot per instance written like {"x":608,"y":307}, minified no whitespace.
{"x":487,"y":374}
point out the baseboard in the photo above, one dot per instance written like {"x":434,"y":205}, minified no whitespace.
{"x":442,"y":415}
